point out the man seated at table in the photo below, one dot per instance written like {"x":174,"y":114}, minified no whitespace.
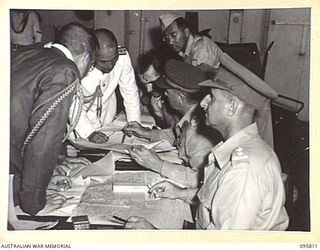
{"x":181,"y":88}
{"x":243,"y":188}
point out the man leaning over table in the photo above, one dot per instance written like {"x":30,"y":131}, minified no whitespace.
{"x":189,"y":135}
{"x":44,"y":78}
{"x":242,"y":188}
{"x":112,"y":68}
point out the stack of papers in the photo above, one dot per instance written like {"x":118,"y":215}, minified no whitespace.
{"x":129,"y":188}
{"x":123,"y":147}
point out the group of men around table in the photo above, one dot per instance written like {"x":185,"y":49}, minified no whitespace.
{"x":231,"y":176}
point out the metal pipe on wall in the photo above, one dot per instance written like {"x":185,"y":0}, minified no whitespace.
{"x":141,"y":33}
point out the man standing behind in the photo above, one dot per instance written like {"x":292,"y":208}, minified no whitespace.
{"x":202,"y":52}
{"x":43,"y":82}
{"x":197,"y":50}
{"x":112,"y":68}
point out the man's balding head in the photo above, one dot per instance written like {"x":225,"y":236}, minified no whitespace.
{"x":107,"y":52}
{"x":106,"y":37}
{"x":81,"y":44}
{"x":77,"y":39}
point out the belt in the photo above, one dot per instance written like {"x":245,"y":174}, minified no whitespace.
{"x":17,"y":46}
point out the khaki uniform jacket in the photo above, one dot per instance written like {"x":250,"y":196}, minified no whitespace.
{"x":201,"y":50}
{"x":243,"y":188}
{"x":193,"y":148}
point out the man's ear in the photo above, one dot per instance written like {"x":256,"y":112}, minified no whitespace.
{"x":180,"y":96}
{"x":187,"y":32}
{"x":81,"y":58}
{"x":85,"y":59}
{"x":232,"y":107}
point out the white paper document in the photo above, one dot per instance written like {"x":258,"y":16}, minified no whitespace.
{"x":162,"y":145}
{"x":100,"y":202}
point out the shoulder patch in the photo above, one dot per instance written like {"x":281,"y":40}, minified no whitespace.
{"x":122,"y":50}
{"x":239,"y":156}
{"x":194,"y":122}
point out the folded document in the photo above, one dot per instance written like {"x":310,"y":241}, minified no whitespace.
{"x":129,"y":188}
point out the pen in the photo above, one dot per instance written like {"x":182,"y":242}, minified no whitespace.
{"x":153,"y":192}
{"x":124,"y":132}
{"x":119,"y":219}
{"x":70,"y":198}
{"x":123,"y":137}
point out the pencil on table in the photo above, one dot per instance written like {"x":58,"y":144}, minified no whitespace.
{"x":120,"y":219}
{"x":123,"y":137}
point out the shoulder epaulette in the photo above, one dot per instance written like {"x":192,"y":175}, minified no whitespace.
{"x":239,"y":156}
{"x":122,"y":50}
{"x":198,"y":39}
{"x":194,"y":121}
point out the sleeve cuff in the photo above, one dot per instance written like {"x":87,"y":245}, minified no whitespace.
{"x":163,"y":168}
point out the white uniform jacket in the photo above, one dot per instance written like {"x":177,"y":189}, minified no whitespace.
{"x":122,"y":75}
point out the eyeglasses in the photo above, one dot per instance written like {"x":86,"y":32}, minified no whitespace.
{"x":91,"y":67}
{"x":169,"y":36}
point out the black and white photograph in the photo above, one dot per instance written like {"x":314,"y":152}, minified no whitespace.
{"x":172,"y":119}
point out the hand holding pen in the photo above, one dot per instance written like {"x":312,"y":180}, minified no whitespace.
{"x":135,"y":128}
{"x":59,"y":183}
{"x":167,"y":189}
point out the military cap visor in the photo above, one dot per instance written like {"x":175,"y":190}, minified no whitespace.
{"x":182,"y":76}
{"x":238,"y":80}
{"x":247,"y":76}
{"x":165,"y":83}
{"x":161,"y":83}
{"x":227,"y":81}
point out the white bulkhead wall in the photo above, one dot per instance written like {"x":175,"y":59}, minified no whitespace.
{"x":287,"y":70}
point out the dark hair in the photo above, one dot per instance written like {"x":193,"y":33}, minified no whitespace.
{"x":150,"y":57}
{"x":77,"y":39}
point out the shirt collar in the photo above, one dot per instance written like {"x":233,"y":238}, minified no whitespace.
{"x":187,"y":51}
{"x":62,"y":48}
{"x":187,"y":116}
{"x":223,"y":151}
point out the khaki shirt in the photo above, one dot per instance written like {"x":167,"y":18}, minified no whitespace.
{"x":242,"y":188}
{"x":193,"y":149}
{"x":201,"y":49}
